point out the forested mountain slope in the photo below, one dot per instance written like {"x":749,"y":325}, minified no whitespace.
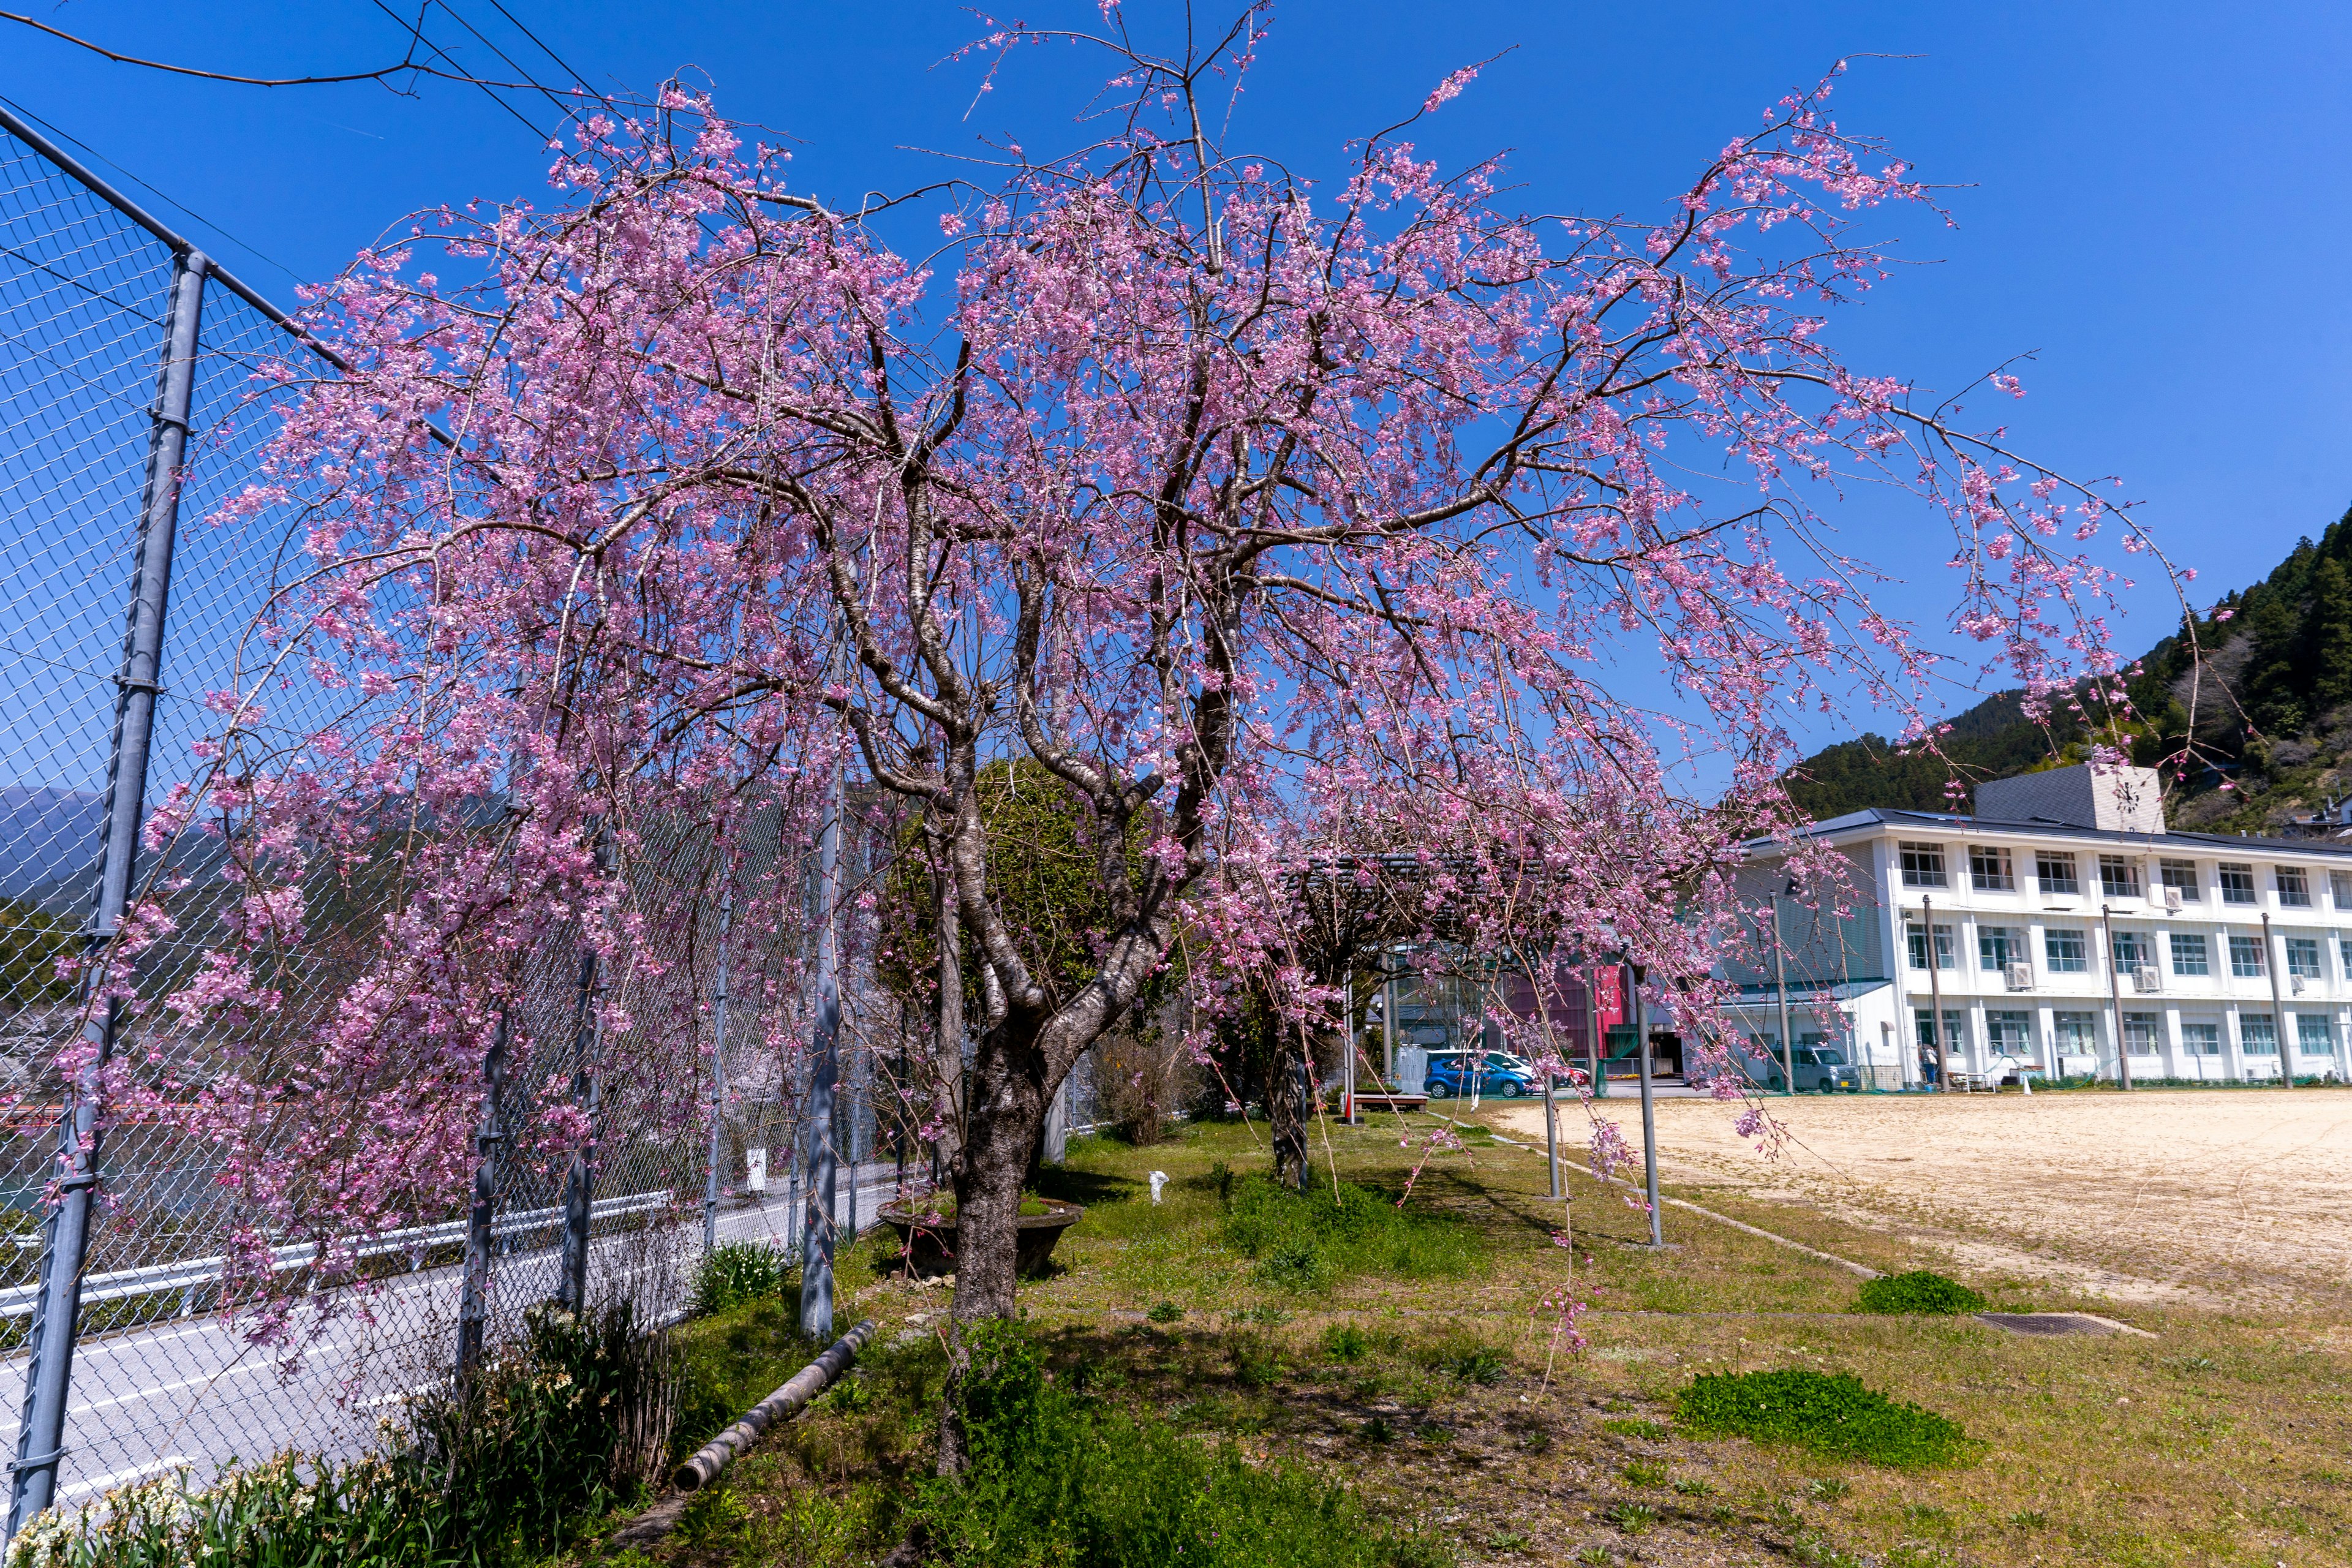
{"x":2273,"y":734}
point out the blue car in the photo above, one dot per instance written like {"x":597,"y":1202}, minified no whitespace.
{"x":1504,"y":1077}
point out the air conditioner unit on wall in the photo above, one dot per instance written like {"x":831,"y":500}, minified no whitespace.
{"x":2295,"y":983}
{"x":2147,"y":977}
{"x":2019,"y":976}
{"x":2172,"y":900}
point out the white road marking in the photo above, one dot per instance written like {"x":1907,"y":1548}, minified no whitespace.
{"x":116,"y":1478}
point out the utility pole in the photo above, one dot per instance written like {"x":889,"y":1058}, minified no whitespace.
{"x":1780,"y":983}
{"x":2278,"y":1005}
{"x":1936,"y":998}
{"x":1649,"y":1113}
{"x":819,"y":1226}
{"x":2115,"y":995}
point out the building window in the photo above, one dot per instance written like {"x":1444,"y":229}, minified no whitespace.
{"x":2257,"y":1035}
{"x":2140,"y":1033}
{"x":1923,"y":1022}
{"x":2315,"y":1035}
{"x":2246,"y":958}
{"x":2078,"y":1034}
{"x":2133,"y":949}
{"x":2343,"y":952}
{"x":2119,"y":878}
{"x":2237,"y":884}
{"x":2009,"y":1033}
{"x":1998,"y":947}
{"x":1990,"y":871}
{"x":2293,"y":887}
{"x":2201,"y":1040}
{"x":2180,"y":875}
{"x":2066,"y":951}
{"x":1923,"y":865}
{"x":2339,"y":888}
{"x":1917,"y":934}
{"x":2303,"y":956}
{"x":2056,"y":872}
{"x":2190,"y":956}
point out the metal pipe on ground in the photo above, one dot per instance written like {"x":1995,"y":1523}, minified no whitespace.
{"x":811,"y":1380}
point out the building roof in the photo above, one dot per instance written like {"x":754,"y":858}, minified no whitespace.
{"x":1949,"y":822}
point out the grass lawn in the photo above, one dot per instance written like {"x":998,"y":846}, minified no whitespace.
{"x":1412,"y":1361}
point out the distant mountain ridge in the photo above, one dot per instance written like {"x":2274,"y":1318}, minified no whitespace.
{"x":2272,"y":739}
{"x":47,"y":836}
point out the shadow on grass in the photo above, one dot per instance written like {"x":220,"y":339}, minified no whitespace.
{"x":1071,"y":1185}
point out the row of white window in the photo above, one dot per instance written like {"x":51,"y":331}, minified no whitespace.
{"x":2065,"y":951}
{"x":2077,"y":1033}
{"x":2061,"y":874}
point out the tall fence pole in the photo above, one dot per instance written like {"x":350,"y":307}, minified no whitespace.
{"x":1649,"y":1110}
{"x":820,"y":1227}
{"x":718,"y":1078}
{"x":49,"y":1369}
{"x":580,"y":1180}
{"x":473,"y":1298}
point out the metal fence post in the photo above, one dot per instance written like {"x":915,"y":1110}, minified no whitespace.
{"x":824,"y":1214}
{"x":718,"y":1079}
{"x":49,"y":1371}
{"x":580,"y":1180}
{"x":474,"y":1302}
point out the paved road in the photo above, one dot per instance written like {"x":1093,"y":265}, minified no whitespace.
{"x":195,"y":1393}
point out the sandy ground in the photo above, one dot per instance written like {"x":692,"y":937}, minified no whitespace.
{"x":2230,"y":1198}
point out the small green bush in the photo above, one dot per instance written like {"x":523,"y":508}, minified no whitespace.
{"x":735,"y":1272}
{"x":1164,"y":1312}
{"x":1345,"y":1341}
{"x":1833,"y":1413}
{"x":1310,"y":1241}
{"x":1922,"y":1291}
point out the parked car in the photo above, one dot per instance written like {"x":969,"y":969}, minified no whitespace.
{"x":1822,"y":1069}
{"x":1497,"y":1073}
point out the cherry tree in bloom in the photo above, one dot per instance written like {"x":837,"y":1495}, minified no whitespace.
{"x":1232,"y":499}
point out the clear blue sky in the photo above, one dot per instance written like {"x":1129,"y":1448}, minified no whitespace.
{"x":2157,"y":198}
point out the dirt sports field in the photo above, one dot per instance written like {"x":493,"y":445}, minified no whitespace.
{"x":2223,"y":1197}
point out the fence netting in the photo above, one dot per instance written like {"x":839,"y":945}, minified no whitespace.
{"x":166,"y":1372}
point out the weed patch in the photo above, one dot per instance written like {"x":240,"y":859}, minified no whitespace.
{"x":1059,"y":1477}
{"x":1310,"y":1241}
{"x":1833,"y":1413}
{"x":736,"y":1272}
{"x":1922,"y":1291}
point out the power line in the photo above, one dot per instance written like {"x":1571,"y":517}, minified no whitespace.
{"x":63,"y":135}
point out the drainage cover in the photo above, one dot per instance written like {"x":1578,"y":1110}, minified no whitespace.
{"x":2050,"y":1325}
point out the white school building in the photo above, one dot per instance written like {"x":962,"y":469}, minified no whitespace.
{"x":2064,"y":920}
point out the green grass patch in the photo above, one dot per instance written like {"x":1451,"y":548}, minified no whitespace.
{"x":1310,"y":1241}
{"x":1060,"y":1478}
{"x":1832,"y":1413}
{"x":1922,"y":1291}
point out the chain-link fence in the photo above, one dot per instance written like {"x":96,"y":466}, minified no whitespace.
{"x":130,"y":409}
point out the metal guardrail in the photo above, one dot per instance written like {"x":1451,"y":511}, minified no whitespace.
{"x":157,"y":1278}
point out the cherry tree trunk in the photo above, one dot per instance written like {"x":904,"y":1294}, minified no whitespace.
{"x":1006,"y":1097}
{"x":1290,"y":1101}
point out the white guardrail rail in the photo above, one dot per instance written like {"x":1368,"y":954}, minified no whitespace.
{"x":18,"y":1301}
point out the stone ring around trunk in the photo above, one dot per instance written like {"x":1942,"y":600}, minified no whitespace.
{"x":927,"y":1235}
